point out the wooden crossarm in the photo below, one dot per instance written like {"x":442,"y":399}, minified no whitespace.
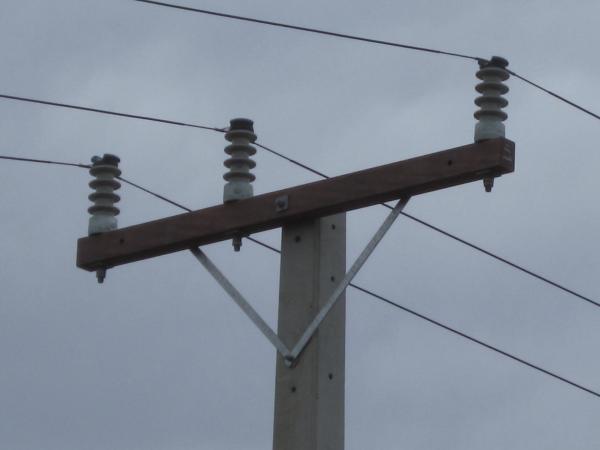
{"x":318,"y":199}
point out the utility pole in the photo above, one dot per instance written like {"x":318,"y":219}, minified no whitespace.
{"x":309,"y":396}
{"x":310,"y":337}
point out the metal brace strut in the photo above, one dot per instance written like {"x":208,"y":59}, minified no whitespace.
{"x":341,"y":287}
{"x":241,"y":301}
{"x":291,"y":356}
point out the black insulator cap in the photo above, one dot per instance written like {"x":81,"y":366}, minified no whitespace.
{"x":241,"y":124}
{"x":496,"y":61}
{"x":108,"y":159}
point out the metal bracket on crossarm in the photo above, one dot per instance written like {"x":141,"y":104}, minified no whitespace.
{"x":290,"y":356}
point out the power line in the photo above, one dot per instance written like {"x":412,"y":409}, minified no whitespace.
{"x":475,"y":340}
{"x":369,"y":40}
{"x":293,"y":161}
{"x":44,"y":161}
{"x":355,"y":286}
{"x":501,"y":259}
{"x":547,"y":91}
{"x":154,"y":194}
{"x":262,"y":244}
{"x":310,"y":30}
{"x":320,"y":174}
{"x":112,"y":113}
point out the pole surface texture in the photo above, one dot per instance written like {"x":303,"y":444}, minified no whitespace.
{"x":309,"y":396}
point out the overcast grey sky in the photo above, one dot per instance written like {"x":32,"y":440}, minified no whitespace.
{"x":159,"y":358}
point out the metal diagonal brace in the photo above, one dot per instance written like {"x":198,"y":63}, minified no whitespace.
{"x":341,"y":287}
{"x":241,"y":302}
{"x":291,"y":356}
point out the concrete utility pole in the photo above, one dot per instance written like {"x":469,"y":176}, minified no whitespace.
{"x":310,"y":339}
{"x":309,"y":396}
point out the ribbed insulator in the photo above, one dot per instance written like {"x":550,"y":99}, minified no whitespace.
{"x":241,"y":135}
{"x":103,"y":211}
{"x":490,"y":114}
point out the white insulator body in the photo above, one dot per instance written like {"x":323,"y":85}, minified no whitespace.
{"x":103,"y":211}
{"x":239,"y":177}
{"x":490,"y":116}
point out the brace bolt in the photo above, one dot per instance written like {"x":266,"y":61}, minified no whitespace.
{"x":288,"y":360}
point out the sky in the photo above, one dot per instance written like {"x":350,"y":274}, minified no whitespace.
{"x":158,"y":357}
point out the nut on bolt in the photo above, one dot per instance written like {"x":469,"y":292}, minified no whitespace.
{"x":488,"y":183}
{"x":237,"y":243}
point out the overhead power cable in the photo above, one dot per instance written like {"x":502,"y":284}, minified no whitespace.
{"x":307,"y":29}
{"x":355,"y":286}
{"x":553,"y":94}
{"x":111,"y":113}
{"x":44,"y":161}
{"x":364,"y":39}
{"x":154,"y":194}
{"x":293,"y":161}
{"x":320,"y":174}
{"x":475,"y":340}
{"x":501,"y":259}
